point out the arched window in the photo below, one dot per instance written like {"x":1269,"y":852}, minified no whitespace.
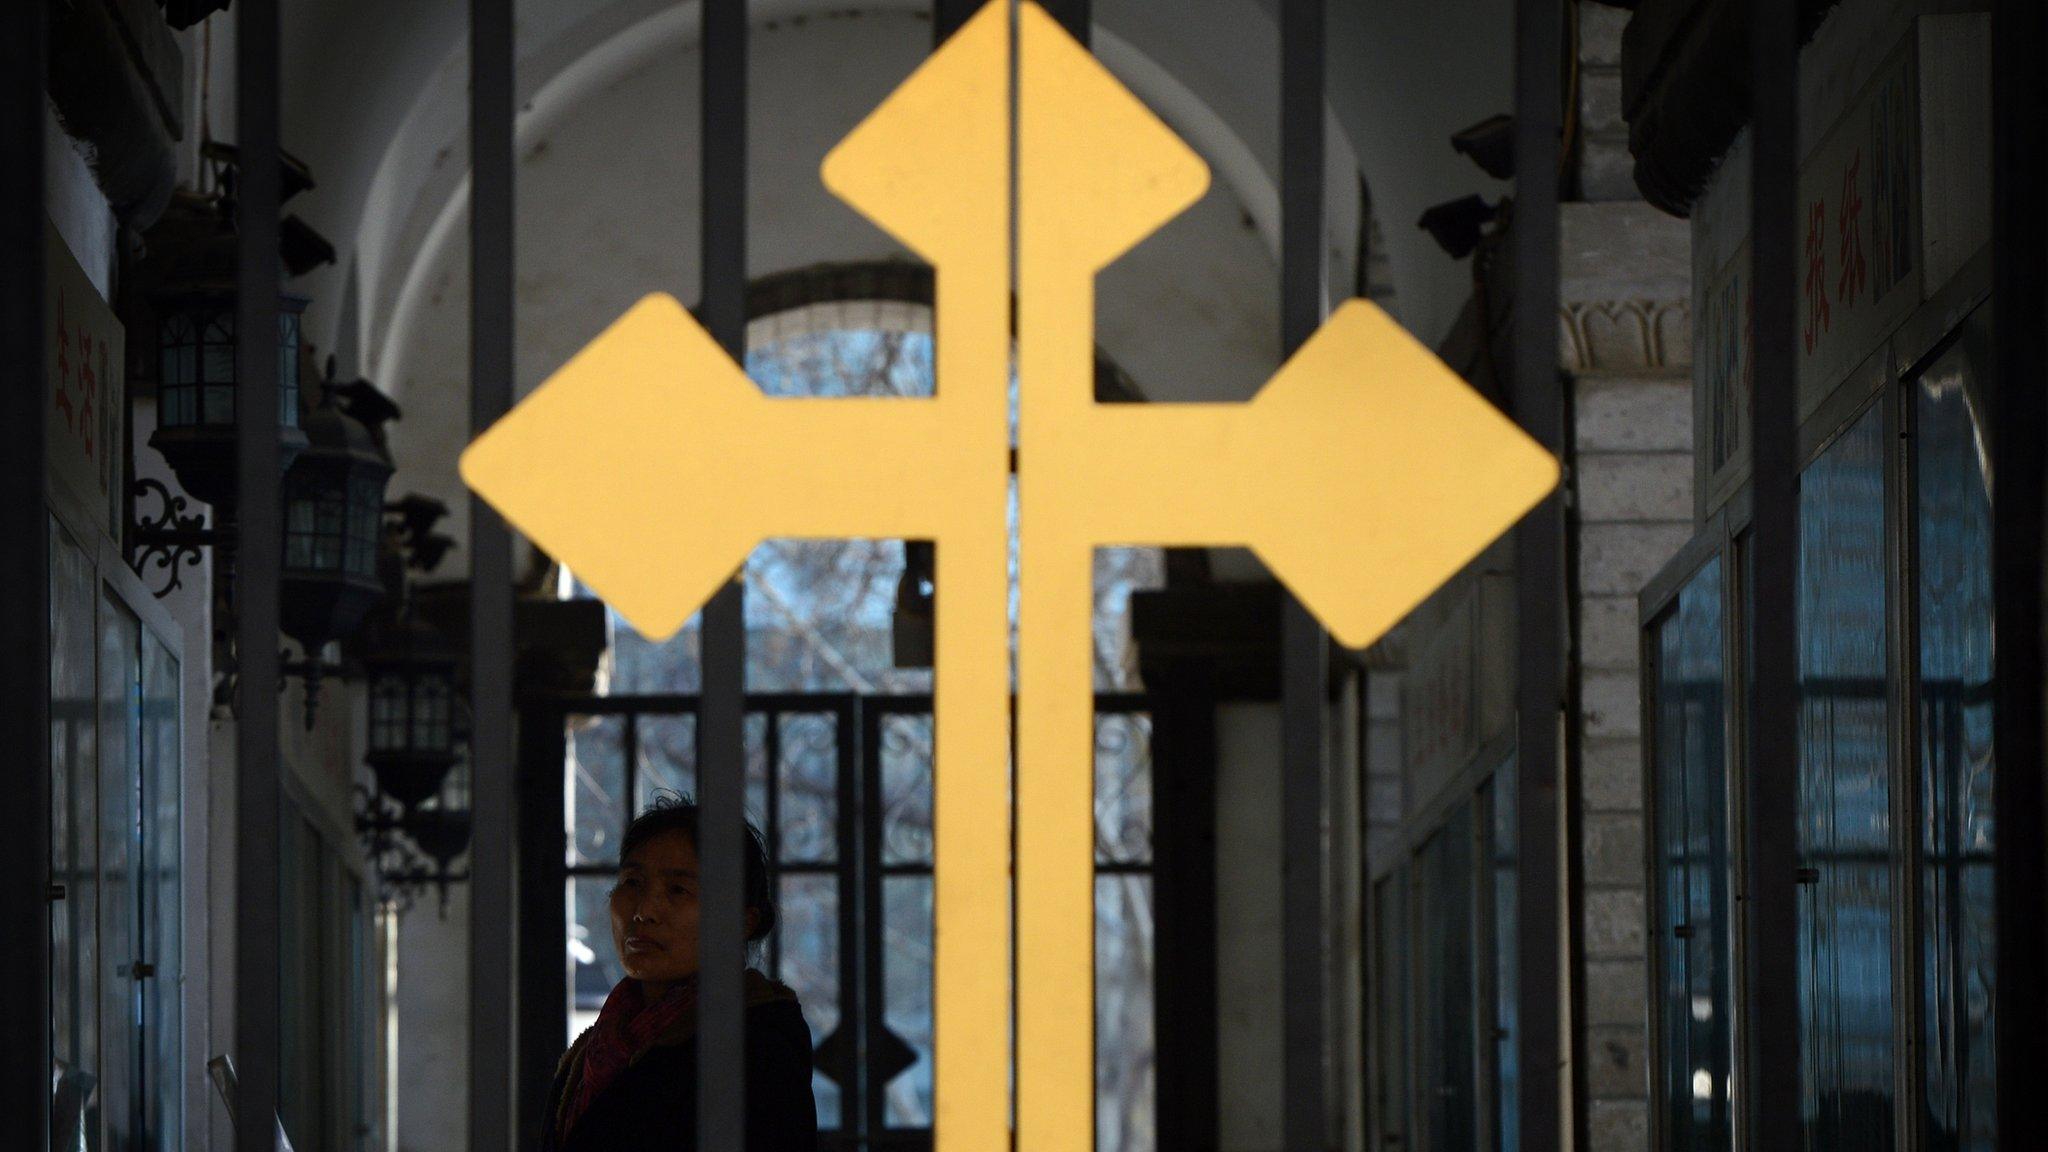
{"x":838,"y":653}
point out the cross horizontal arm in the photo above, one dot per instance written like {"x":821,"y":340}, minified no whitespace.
{"x":655,"y":463}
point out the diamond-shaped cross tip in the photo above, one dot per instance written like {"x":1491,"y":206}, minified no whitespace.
{"x":1384,"y":473}
{"x":594,"y":465}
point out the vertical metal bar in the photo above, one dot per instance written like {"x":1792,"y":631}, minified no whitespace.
{"x":494,"y":800}
{"x":871,"y":1100}
{"x":949,"y":15}
{"x":258,"y":555}
{"x":1368,"y":911}
{"x":1539,"y":567}
{"x":543,"y":911}
{"x":846,"y":874}
{"x":25,"y":589}
{"x":629,"y":777}
{"x":1184,"y":904}
{"x":771,"y":739}
{"x":1304,"y":646}
{"x":2020,"y":274}
{"x":1771,"y":1015}
{"x":721,"y":724}
{"x":1573,"y":782}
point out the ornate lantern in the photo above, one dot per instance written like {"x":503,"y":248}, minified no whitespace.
{"x":413,"y":732}
{"x":334,"y":523}
{"x":189,"y":281}
{"x":415,"y":822}
{"x":188,"y":289}
{"x":441,"y":829}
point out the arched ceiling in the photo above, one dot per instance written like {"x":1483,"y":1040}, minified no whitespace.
{"x":1402,"y":77}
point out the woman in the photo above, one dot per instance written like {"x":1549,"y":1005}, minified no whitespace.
{"x":629,"y":1083}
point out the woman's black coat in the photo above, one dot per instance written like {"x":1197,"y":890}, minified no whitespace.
{"x":652,"y":1106}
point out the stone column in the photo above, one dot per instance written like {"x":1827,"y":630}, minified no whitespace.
{"x":1625,"y":309}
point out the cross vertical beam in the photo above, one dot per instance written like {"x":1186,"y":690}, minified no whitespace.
{"x":1539,"y":568}
{"x":721,"y":724}
{"x":25,"y":589}
{"x":258,"y":556}
{"x":1304,"y":648}
{"x":2020,"y":272}
{"x":1771,"y":928}
{"x":493,"y":903}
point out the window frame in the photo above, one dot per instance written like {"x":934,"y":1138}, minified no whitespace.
{"x":1885,"y":380}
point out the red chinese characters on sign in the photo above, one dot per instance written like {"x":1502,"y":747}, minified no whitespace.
{"x":1859,"y":215}
{"x":1849,"y":222}
{"x":1817,"y":314}
{"x":75,"y":393}
{"x":82,"y":421}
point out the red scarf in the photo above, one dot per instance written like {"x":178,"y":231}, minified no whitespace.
{"x":625,"y":1030}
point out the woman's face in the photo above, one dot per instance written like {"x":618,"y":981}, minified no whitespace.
{"x":654,"y":910}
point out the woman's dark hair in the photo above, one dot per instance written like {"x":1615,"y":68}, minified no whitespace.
{"x":673,"y":813}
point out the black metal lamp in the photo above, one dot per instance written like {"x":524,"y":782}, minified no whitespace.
{"x":413,"y":731}
{"x":415,"y":822}
{"x":334,"y":524}
{"x":441,"y":829}
{"x":191,"y":288}
{"x":187,"y":285}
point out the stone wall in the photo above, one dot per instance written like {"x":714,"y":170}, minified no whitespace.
{"x":1626,"y":307}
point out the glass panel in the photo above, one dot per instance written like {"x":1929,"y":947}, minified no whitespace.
{"x":807,"y":946}
{"x":365,"y":506}
{"x":1952,"y":512}
{"x":597,"y":788}
{"x":907,"y":994}
{"x":217,"y":367}
{"x":906,"y":740}
{"x":120,"y":906}
{"x":388,"y":714}
{"x":637,"y":664}
{"x":1125,"y":1081}
{"x":1118,"y":573}
{"x":1447,"y":1098}
{"x":430,"y":714}
{"x":1392,"y":1004}
{"x":668,"y":759}
{"x":220,"y":399}
{"x":757,"y":770}
{"x":808,"y":788}
{"x":1694,"y":863}
{"x":178,"y":407}
{"x":1504,"y":855}
{"x":178,"y":351}
{"x":820,"y":615}
{"x":162,"y":757}
{"x":594,"y":962}
{"x":1123,"y":788}
{"x":299,"y":528}
{"x":1845,"y":959}
{"x":74,"y":848}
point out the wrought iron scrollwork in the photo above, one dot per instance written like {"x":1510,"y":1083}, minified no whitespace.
{"x":170,"y":541}
{"x":401,"y":868}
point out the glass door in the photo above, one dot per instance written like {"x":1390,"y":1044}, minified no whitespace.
{"x":117,"y":751}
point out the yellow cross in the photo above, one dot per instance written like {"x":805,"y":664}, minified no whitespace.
{"x":1365,"y":474}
